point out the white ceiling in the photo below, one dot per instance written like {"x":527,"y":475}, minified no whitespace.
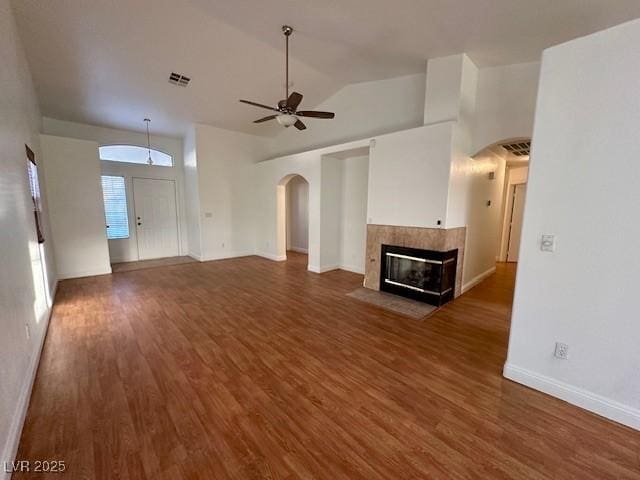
{"x":107,"y":62}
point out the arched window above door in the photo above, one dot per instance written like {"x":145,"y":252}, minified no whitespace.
{"x":134,"y":154}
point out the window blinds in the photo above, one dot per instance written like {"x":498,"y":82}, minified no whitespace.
{"x":115,"y":207}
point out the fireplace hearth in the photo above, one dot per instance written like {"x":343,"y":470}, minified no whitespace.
{"x":425,"y":275}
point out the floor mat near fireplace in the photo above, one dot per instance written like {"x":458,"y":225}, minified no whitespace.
{"x":403,"y":306}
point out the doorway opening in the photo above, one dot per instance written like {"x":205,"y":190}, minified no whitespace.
{"x":515,"y":189}
{"x":515,"y":221}
{"x":297,"y":215}
{"x":293,"y":219}
{"x":494,"y":218}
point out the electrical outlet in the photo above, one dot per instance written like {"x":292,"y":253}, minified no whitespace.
{"x":562,"y":351}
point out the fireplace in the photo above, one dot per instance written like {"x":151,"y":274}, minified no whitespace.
{"x":425,"y":275}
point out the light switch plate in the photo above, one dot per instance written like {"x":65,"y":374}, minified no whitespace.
{"x":548,"y":243}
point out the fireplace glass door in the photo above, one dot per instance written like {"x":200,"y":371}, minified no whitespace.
{"x":414,"y":273}
{"x":425,"y":275}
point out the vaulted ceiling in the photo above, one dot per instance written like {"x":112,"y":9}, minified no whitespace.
{"x":107,"y":62}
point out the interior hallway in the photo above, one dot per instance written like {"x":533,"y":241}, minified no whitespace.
{"x":248,"y":368}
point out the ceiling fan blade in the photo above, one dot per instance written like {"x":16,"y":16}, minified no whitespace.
{"x":294,"y":100}
{"x":265,"y":119}
{"x":313,"y":114}
{"x":259,"y":105}
{"x":299,"y":125}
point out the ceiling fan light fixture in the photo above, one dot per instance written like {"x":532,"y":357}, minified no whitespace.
{"x":286,"y":120}
{"x":286,"y":111}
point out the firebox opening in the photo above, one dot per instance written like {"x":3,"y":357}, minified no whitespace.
{"x":424,"y":275}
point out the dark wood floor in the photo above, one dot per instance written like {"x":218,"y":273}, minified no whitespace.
{"x":247,"y":368}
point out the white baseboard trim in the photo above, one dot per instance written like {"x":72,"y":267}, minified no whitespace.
{"x":352,"y":268}
{"x":329,"y":268}
{"x":299,"y":250}
{"x":223,"y":256}
{"x":195,"y":256}
{"x":85,"y":273}
{"x":270,"y":256}
{"x":593,"y":402}
{"x":322,"y":269}
{"x":477,"y":279}
{"x":20,"y":413}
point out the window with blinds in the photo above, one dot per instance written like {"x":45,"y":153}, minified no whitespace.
{"x":115,"y":207}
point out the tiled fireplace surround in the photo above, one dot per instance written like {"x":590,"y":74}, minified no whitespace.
{"x":414,"y":237}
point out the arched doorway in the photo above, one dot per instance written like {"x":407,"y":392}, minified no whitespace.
{"x":293,"y":217}
{"x":508,"y":160}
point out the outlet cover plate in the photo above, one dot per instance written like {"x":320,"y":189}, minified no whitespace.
{"x":562,"y":351}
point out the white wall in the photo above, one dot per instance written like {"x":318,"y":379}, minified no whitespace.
{"x":330,"y":213}
{"x":443,"y":85}
{"x":362,"y":110}
{"x":419,"y":175}
{"x":409,"y":177}
{"x":353,"y":243}
{"x":76,"y":208}
{"x":268,"y":175}
{"x":192,"y":194}
{"x":583,"y":187}
{"x":462,"y":165}
{"x":298,"y":215}
{"x":484,"y":221}
{"x":126,"y":249}
{"x":224,"y":162}
{"x":486,"y":105}
{"x":24,"y":290}
{"x":343,"y":214}
{"x":505,"y":103}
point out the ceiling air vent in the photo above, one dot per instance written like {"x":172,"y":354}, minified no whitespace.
{"x":180,"y":80}
{"x":520,"y":149}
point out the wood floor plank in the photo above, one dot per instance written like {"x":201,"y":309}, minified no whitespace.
{"x":247,"y":368}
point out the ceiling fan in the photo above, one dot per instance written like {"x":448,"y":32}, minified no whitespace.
{"x":287,"y":109}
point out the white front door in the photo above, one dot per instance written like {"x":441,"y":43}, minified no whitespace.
{"x":515,"y":231}
{"x":156,"y":218}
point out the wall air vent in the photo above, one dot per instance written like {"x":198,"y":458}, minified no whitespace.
{"x":520,"y":149}
{"x":180,"y":80}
